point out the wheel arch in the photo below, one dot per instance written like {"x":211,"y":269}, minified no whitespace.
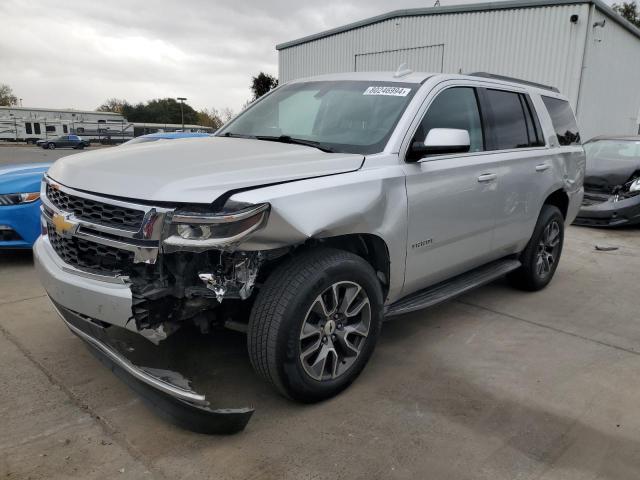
{"x":560,"y":199}
{"x":371,"y":248}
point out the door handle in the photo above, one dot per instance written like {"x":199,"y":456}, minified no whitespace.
{"x":542,"y":167}
{"x":487,"y":177}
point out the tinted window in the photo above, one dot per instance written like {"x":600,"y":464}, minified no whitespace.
{"x":454,"y":108}
{"x":564,"y":122}
{"x":36,"y":128}
{"x":27,"y":127}
{"x":508,"y":126}
{"x":536,"y":139}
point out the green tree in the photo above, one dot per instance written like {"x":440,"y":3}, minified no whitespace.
{"x":629,"y":10}
{"x":7,"y":98}
{"x":115,"y":105}
{"x":262,"y":83}
{"x":209,"y":118}
{"x":159,"y":110}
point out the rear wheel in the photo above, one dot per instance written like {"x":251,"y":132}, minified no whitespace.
{"x":315,"y":323}
{"x":51,"y":146}
{"x":541,"y":256}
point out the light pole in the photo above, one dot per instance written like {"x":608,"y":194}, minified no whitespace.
{"x":182,"y":99}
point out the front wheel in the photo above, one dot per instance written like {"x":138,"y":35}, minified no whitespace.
{"x":315,"y":323}
{"x":51,"y":146}
{"x":541,"y":256}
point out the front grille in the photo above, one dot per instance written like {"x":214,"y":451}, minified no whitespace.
{"x":96,"y":212}
{"x":90,"y":256}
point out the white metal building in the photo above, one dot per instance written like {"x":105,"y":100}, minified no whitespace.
{"x":580,"y":46}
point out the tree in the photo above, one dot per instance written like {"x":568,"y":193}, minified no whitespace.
{"x":210,"y":118}
{"x":7,"y":98}
{"x":114,"y":105}
{"x":159,"y":110}
{"x":629,"y":10}
{"x":262,"y":84}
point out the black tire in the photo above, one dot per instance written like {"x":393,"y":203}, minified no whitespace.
{"x":80,"y":146}
{"x":51,"y":146}
{"x":284,"y":304}
{"x":529,"y":277}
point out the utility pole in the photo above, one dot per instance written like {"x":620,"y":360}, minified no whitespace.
{"x":182,"y":99}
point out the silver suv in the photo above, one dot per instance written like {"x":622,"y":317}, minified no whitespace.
{"x":325,"y":207}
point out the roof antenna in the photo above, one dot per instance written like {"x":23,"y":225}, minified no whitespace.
{"x":402,"y":70}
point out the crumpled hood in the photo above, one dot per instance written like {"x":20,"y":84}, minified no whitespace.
{"x":606,"y":173}
{"x":195,"y":170}
{"x":22,"y":178}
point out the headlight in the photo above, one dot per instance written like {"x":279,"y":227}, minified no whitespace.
{"x":204,"y":230}
{"x":18,"y":198}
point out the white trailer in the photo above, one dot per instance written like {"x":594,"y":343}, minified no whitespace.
{"x":32,"y":124}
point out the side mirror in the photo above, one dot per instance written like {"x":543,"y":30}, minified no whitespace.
{"x":440,"y":141}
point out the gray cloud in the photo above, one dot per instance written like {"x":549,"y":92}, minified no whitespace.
{"x":75,"y":54}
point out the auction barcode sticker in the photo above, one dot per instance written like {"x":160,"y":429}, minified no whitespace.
{"x":392,"y":91}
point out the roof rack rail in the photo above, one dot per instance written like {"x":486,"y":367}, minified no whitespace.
{"x":514,"y":80}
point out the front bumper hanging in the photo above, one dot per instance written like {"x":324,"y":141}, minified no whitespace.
{"x":169,"y":393}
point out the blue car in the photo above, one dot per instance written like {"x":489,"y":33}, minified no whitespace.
{"x":152,"y":137}
{"x":20,"y":204}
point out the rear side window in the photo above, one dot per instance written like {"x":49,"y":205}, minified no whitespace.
{"x":564,"y":122}
{"x":512,"y":121}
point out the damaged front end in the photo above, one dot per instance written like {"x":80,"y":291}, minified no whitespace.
{"x":171,"y":266}
{"x":610,"y":205}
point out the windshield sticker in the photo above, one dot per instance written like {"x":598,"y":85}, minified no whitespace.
{"x":390,"y":91}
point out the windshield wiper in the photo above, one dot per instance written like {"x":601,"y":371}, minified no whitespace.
{"x":295,"y":141}
{"x":237,"y":135}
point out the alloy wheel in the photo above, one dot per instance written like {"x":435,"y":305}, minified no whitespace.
{"x":335,"y":330}
{"x":548,"y":249}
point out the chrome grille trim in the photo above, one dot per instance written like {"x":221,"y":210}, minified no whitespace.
{"x":144,"y":242}
{"x":150,"y":228}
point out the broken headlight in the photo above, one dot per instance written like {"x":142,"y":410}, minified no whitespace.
{"x":209,"y":230}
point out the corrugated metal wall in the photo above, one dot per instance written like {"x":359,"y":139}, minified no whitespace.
{"x":610,"y":93}
{"x":429,"y":58}
{"x":538,"y":44}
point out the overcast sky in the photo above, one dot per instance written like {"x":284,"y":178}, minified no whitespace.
{"x":76,"y":54}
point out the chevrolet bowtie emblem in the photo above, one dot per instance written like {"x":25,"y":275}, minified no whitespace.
{"x":63,"y":226}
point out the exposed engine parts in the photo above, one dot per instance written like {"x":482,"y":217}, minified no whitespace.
{"x":191,"y":286}
{"x":236,"y":274}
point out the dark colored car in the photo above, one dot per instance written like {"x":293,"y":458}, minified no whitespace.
{"x":64,"y":141}
{"x":612,"y":182}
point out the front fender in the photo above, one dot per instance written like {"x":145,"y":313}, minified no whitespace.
{"x":371,"y":201}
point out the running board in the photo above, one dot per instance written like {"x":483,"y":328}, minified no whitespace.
{"x":452,"y":288}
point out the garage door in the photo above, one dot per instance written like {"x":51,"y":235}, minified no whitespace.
{"x":419,"y":59}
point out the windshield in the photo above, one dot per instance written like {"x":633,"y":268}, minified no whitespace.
{"x":339,"y":116}
{"x":613,"y":149}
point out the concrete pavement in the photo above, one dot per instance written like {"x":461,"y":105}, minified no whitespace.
{"x":498,"y":384}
